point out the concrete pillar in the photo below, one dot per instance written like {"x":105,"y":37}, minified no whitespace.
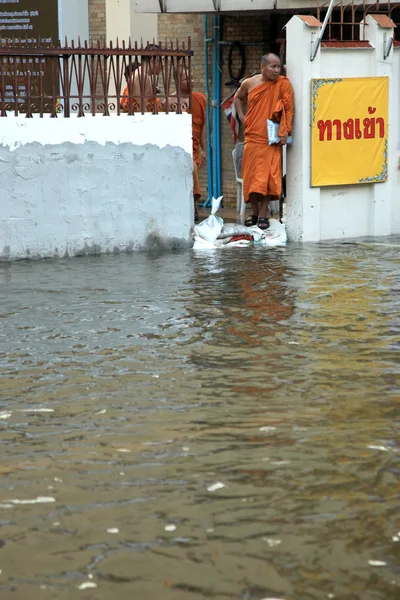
{"x":118,"y":20}
{"x":378,"y":30}
{"x":303,"y":201}
{"x":143,"y":26}
{"x":73,"y":20}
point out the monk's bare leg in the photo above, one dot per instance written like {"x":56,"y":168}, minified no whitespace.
{"x":264,"y":206}
{"x":196,"y":198}
{"x":254,"y":200}
{"x":263,"y":221}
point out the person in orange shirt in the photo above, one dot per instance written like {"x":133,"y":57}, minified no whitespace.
{"x":198,"y":112}
{"x":148,"y":71}
{"x":268,"y":96}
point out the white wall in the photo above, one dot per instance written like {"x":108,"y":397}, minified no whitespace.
{"x":73,"y":19}
{"x":394,"y":166}
{"x":118,"y":17}
{"x":143,"y":26}
{"x":94,"y":184}
{"x":351,"y":211}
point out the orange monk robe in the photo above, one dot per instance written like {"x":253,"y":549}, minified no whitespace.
{"x":198,"y":113}
{"x":136,"y":104}
{"x":262,"y":163}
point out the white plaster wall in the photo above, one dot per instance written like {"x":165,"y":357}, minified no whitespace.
{"x":335,"y":212}
{"x":118,"y":20}
{"x":346,"y":210}
{"x":95,"y":184}
{"x":395,"y":164}
{"x":73,"y":16}
{"x":143,"y":26}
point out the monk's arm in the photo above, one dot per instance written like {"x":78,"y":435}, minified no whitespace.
{"x":288,"y":103}
{"x":240,"y":100}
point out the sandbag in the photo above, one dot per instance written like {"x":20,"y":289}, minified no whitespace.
{"x":210,"y":228}
{"x":275,"y":235}
{"x":230,"y":230}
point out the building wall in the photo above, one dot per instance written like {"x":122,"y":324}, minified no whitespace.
{"x":77,"y":186}
{"x":143,"y":27}
{"x":118,"y":23}
{"x":340,"y":211}
{"x":180,"y":27}
{"x":261,"y":31}
{"x":73,"y":19}
{"x":97,"y":20}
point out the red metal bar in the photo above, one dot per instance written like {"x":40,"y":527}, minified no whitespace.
{"x":78,"y":79}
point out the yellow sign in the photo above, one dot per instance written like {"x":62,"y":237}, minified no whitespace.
{"x":349,"y":131}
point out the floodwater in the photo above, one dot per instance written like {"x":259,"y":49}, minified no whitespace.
{"x":185,"y":426}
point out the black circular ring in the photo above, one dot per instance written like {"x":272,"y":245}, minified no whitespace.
{"x":237,"y":46}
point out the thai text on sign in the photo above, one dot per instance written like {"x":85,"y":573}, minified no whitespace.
{"x":349,"y":131}
{"x":33,"y":20}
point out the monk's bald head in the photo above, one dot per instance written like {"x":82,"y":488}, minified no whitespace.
{"x":267,"y":58}
{"x":270,"y":67}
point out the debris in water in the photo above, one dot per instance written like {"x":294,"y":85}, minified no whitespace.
{"x":271,"y":542}
{"x":123,"y":450}
{"x":185,"y":449}
{"x":58,"y":479}
{"x":38,"y":500}
{"x":377,"y":563}
{"x":267,"y":428}
{"x":102,"y":412}
{"x":113,"y":530}
{"x":216,"y":486}
{"x":36,"y":410}
{"x":86,"y":585}
{"x":395,"y":538}
{"x":383,"y":448}
{"x":170,"y":527}
{"x":5,"y":415}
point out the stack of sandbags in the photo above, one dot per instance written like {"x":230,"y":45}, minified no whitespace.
{"x":213,"y":233}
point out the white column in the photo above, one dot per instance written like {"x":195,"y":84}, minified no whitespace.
{"x":118,"y":18}
{"x":303,"y":201}
{"x":143,"y":26}
{"x":376,"y":31}
{"x":73,"y":20}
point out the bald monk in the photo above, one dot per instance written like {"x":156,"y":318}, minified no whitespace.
{"x":142,"y":77}
{"x":268,"y":96}
{"x":198,"y":113}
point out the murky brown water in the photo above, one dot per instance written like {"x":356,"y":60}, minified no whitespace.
{"x":132,"y":385}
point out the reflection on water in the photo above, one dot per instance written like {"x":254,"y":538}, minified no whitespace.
{"x":187,"y":426}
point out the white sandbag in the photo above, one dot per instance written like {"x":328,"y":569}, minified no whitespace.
{"x":210,"y":228}
{"x":200,"y":244}
{"x":238,"y":244}
{"x":230,"y":230}
{"x":275,"y":235}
